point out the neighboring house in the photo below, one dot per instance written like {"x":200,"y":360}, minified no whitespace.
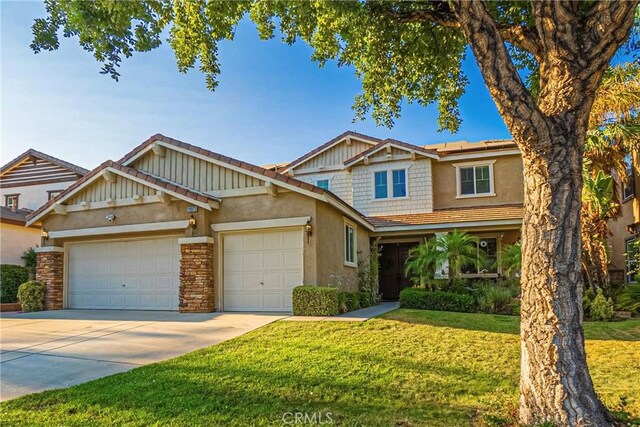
{"x":172,"y":226}
{"x":625,"y":228}
{"x":26,"y":183}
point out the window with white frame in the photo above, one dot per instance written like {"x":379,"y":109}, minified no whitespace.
{"x":323,"y":183}
{"x":349,"y":244}
{"x":631,"y":252}
{"x":395,"y":186}
{"x":474,"y":180}
{"x":487,"y":248}
{"x":11,"y":201}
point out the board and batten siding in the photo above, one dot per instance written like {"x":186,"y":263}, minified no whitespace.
{"x":334,"y":156}
{"x":101,"y":190}
{"x":36,"y":172}
{"x":194,"y":173}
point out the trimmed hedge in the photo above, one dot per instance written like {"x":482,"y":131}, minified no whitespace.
{"x":315,"y":301}
{"x":438,"y":300}
{"x":11,"y":277}
{"x":31,"y":296}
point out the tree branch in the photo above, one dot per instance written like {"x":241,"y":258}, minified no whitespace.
{"x":521,"y":36}
{"x":515,"y":103}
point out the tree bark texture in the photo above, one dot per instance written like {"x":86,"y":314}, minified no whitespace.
{"x":555,"y":385}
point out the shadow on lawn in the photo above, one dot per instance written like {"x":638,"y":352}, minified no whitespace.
{"x":619,"y":330}
{"x":238,"y":394}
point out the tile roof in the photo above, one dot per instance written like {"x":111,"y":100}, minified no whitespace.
{"x":167,"y":185}
{"x":457,"y":147}
{"x":329,"y":144}
{"x":31,"y":152}
{"x":453,"y":215}
{"x":14,"y":217}
{"x":267,"y":173}
{"x":381,"y":144}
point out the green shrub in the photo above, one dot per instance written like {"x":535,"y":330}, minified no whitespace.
{"x":353,"y":301}
{"x":315,"y":301}
{"x":438,"y":300}
{"x":495,"y":299}
{"x":342,"y":302}
{"x":587,"y":299}
{"x":601,"y":307}
{"x":629,"y":298}
{"x":365,"y":299}
{"x":31,"y":296}
{"x":11,"y":277}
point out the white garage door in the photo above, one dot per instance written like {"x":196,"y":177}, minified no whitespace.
{"x":261,"y":269}
{"x":129,"y":275}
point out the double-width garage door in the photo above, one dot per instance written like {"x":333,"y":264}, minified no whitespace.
{"x":132,"y":274}
{"x":261,"y":269}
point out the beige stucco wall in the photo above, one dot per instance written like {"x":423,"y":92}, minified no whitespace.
{"x":629,"y":214}
{"x":329,"y":237}
{"x":508,"y":184}
{"x":14,"y":240}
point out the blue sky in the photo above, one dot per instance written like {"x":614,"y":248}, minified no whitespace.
{"x":273,"y":104}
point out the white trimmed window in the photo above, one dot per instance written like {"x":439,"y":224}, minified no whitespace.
{"x":390,"y":184}
{"x":349,"y":244}
{"x":11,"y":201}
{"x":475,"y":179}
{"x":632,"y":262}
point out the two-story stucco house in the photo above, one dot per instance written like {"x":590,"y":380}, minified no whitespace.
{"x":172,"y":226}
{"x":26,"y":183}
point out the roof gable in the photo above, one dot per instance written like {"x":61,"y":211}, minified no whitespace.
{"x":389,"y":146}
{"x":346,"y":138}
{"x":112,"y":182}
{"x":34,"y":168}
{"x":158,"y":142}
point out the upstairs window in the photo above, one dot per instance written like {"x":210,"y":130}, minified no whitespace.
{"x":11,"y":201}
{"x":475,"y":180}
{"x":396,"y":186}
{"x":399,"y":183}
{"x":380,"y":184}
{"x":631,"y":252}
{"x":323,"y":183}
{"x":349,"y":244}
{"x":628,"y":188}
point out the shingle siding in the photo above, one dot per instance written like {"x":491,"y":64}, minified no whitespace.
{"x":420,"y":194}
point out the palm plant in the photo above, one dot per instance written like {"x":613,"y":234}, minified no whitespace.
{"x":422,"y":263}
{"x":613,"y":137}
{"x":629,"y":298}
{"x":458,"y":249}
{"x":511,"y":259}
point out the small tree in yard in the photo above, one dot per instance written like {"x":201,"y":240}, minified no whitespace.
{"x":413,"y":51}
{"x":455,"y":250}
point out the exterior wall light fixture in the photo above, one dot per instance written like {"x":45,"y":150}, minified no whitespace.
{"x":308,"y":229}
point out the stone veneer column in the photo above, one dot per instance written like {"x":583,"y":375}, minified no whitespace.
{"x":50,"y":271}
{"x":196,"y":275}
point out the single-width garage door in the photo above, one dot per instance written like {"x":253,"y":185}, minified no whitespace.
{"x":261,"y":269}
{"x":131,"y":275}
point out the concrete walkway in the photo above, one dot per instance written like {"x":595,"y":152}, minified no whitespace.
{"x":361,"y":315}
{"x":56,"y":349}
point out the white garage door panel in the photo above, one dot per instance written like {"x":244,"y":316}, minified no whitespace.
{"x":129,"y":275}
{"x":261,"y":269}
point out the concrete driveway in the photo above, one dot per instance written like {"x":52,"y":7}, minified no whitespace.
{"x":56,"y":349}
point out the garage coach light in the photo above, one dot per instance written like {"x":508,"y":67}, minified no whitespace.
{"x":192,"y":222}
{"x":44,"y":234}
{"x":308,"y":229}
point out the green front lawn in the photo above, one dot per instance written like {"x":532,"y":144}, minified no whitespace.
{"x":410,"y":369}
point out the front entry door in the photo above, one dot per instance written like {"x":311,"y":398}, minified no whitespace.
{"x":392,"y":278}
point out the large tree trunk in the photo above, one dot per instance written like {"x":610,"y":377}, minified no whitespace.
{"x":555,"y":384}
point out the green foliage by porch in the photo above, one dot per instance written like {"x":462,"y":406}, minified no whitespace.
{"x":436,"y":300}
{"x":412,"y":368}
{"x":11,"y":277}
